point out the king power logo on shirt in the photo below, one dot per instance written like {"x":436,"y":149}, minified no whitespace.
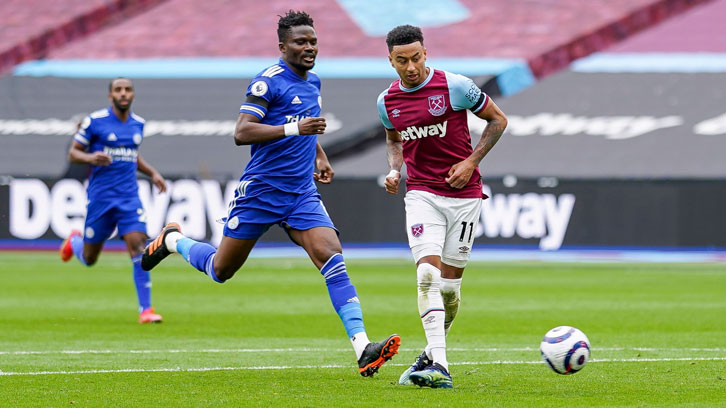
{"x":529,"y":216}
{"x":121,"y":153}
{"x":419,"y":132}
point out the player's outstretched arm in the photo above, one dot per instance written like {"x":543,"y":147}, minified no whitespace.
{"x":460,"y":173}
{"x":394,"y":152}
{"x":78,"y":154}
{"x":249,"y":130}
{"x":156,"y":177}
{"x":325,"y":170}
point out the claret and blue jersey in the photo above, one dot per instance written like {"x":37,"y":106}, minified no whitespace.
{"x":431,"y":119}
{"x":103,"y":131}
{"x":287,"y":163}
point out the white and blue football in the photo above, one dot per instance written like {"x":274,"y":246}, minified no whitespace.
{"x":565,"y":349}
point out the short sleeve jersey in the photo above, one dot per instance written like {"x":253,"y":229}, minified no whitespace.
{"x":287,"y":163}
{"x":432,"y":121}
{"x":103,"y":131}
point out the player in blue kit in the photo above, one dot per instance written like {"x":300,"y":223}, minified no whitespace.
{"x":109,"y":141}
{"x":280,"y":119}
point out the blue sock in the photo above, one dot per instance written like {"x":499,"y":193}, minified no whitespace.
{"x":199,"y":255}
{"x":77,"y":245}
{"x":343,"y":295}
{"x":142,"y":280}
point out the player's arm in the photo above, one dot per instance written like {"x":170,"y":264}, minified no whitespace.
{"x":460,"y":173}
{"x":78,"y":154}
{"x":156,"y":177}
{"x":394,"y":152}
{"x":249,"y":130}
{"x":325,"y":170}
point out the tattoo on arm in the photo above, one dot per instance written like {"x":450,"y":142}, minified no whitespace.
{"x":492,"y":132}
{"x":394,"y":152}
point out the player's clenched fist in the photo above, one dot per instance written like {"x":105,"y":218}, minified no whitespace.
{"x":100,"y":159}
{"x":391,"y":183}
{"x":311,"y":126}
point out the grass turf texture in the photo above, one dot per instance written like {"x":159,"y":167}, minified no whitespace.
{"x":269,"y":336}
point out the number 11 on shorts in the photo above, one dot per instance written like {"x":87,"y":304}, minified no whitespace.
{"x":463,"y":231}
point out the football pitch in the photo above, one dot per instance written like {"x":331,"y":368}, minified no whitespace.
{"x":269,"y":337}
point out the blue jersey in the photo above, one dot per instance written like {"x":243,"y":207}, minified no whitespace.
{"x":287,"y":163}
{"x":103,"y":131}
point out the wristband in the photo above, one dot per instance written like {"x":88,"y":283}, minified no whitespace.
{"x":291,"y":129}
{"x":392,"y":173}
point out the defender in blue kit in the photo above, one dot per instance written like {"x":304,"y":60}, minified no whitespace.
{"x":281,"y":120}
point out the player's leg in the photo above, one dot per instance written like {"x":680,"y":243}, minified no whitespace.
{"x":311,"y":227}
{"x":426,"y":229}
{"x":323,"y":247}
{"x":87,"y":252}
{"x":219,"y":264}
{"x":450,"y":293}
{"x":99,"y":225}
{"x":135,"y":241}
{"x":131,"y":223}
{"x":250,"y":215}
{"x":463,"y":215}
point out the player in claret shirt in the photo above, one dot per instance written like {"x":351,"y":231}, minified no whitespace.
{"x":425,"y":116}
{"x":109,"y":141}
{"x":280,"y":119}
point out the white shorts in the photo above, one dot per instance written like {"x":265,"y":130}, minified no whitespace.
{"x":441,"y":226}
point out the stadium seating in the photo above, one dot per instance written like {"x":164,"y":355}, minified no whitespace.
{"x":547,"y":34}
{"x":32,"y":28}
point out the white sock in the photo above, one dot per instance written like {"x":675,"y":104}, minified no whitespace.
{"x":359,"y":341}
{"x":431,"y":310}
{"x":451,"y":294}
{"x":171,"y":239}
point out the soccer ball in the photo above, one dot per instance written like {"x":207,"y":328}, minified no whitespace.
{"x":565,"y":349}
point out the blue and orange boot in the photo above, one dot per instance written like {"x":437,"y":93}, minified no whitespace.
{"x":66,"y":250}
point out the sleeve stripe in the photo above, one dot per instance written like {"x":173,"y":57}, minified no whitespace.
{"x":80,"y":139}
{"x":272,"y":71}
{"x":481,"y":104}
{"x":253,"y":110}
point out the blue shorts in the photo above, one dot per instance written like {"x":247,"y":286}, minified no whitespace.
{"x":103,"y":216}
{"x":257,"y":206}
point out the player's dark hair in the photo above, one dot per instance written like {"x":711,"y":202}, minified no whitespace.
{"x":292,"y":19}
{"x":402,"y":35}
{"x":110,"y":84}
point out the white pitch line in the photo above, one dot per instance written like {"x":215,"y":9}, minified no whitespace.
{"x":204,"y":369}
{"x":341,"y":350}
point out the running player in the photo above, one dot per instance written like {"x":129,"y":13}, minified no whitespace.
{"x":425,"y":116}
{"x":280,"y":119}
{"x":109,"y":141}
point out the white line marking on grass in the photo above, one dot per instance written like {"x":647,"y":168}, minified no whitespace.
{"x":171,"y":351}
{"x":174,"y":369}
{"x":203,"y":369}
{"x":340,"y":350}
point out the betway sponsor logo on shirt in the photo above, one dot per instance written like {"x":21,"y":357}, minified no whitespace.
{"x":420,"y":132}
{"x":121,"y":153}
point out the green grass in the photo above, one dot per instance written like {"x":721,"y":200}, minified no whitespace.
{"x":269,"y":337}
